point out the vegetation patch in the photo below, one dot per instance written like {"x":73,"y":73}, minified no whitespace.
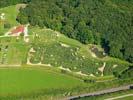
{"x":9,"y":20}
{"x":88,"y":21}
{"x":77,"y":57}
{"x":19,"y":81}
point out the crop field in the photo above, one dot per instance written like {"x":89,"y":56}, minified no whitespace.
{"x":37,"y":83}
{"x":57,"y":50}
{"x":22,"y":81}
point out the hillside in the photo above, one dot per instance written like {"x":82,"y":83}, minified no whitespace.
{"x":50,"y":62}
{"x":104,"y":22}
{"x":10,"y":20}
{"x":57,"y":50}
{"x":53,"y":48}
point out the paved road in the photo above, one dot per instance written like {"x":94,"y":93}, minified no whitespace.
{"x":100,"y":92}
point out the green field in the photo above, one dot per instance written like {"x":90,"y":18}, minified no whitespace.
{"x":12,"y":51}
{"x":38,"y":83}
{"x":19,"y":81}
{"x":10,"y":18}
{"x":126,"y":98}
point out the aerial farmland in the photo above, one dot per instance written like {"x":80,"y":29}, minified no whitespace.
{"x":53,"y":55}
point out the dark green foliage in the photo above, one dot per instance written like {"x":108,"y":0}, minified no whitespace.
{"x":89,"y":81}
{"x":97,"y":52}
{"x":116,"y":74}
{"x":7,"y":25}
{"x":57,"y":56}
{"x":23,"y":17}
{"x":4,"y":3}
{"x":127,"y":73}
{"x":89,"y":21}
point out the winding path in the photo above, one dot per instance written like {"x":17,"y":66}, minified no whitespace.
{"x":100,"y":92}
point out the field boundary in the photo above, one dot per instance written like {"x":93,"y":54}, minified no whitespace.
{"x":19,"y":65}
{"x":118,"y":97}
{"x":106,"y":91}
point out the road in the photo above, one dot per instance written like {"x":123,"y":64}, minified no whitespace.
{"x":100,"y":92}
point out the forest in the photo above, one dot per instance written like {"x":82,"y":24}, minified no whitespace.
{"x":5,"y":3}
{"x":108,"y":23}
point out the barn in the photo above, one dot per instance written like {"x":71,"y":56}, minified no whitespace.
{"x":17,"y":31}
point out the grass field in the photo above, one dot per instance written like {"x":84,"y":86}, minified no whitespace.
{"x":12,"y":51}
{"x":126,"y":98}
{"x":26,"y":80}
{"x":10,"y":18}
{"x":39,"y":83}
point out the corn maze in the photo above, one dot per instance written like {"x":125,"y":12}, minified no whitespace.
{"x":57,"y":51}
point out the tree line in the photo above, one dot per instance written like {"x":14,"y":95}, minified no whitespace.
{"x":108,"y":23}
{"x":5,"y":3}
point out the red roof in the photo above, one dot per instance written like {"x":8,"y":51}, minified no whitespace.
{"x":18,"y":29}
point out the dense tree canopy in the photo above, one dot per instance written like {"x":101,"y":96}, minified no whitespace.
{"x":4,"y":3}
{"x":105,"y":22}
{"x":127,"y":73}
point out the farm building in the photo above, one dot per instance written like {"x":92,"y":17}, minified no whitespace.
{"x":17,"y":31}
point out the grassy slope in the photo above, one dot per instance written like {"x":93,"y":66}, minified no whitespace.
{"x":13,"y":46}
{"x":76,"y":56}
{"x":64,"y":56}
{"x":126,"y":98}
{"x":10,"y":17}
{"x":38,"y":83}
{"x":16,"y":81}
{"x":15,"y":53}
